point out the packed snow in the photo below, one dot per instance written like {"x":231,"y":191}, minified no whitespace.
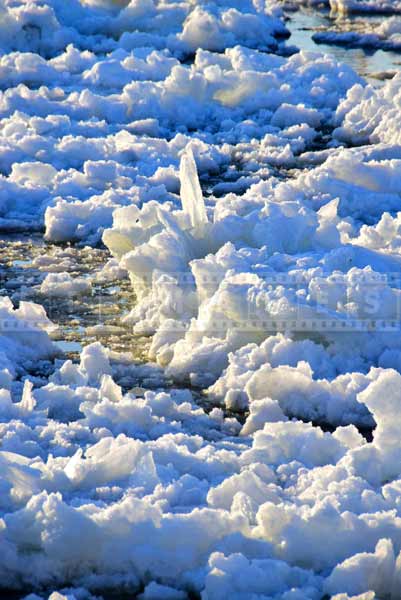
{"x":250,"y":196}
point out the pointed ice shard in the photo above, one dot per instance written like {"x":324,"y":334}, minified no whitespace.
{"x":28,"y":401}
{"x":191,"y":193}
{"x":329,"y":210}
{"x":72,"y":469}
{"x":110,"y":390}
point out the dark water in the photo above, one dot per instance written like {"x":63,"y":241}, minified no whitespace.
{"x":80,"y":319}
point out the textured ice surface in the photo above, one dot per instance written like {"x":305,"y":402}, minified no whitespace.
{"x":253,"y":198}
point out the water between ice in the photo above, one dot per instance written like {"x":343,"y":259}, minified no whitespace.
{"x":373,"y":65}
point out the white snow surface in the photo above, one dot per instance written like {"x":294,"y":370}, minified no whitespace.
{"x":254,"y":200}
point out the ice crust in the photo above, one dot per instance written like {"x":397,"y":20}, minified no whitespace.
{"x":242,"y":190}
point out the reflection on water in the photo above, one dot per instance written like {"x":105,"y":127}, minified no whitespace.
{"x":304,"y":23}
{"x":81,"y":319}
